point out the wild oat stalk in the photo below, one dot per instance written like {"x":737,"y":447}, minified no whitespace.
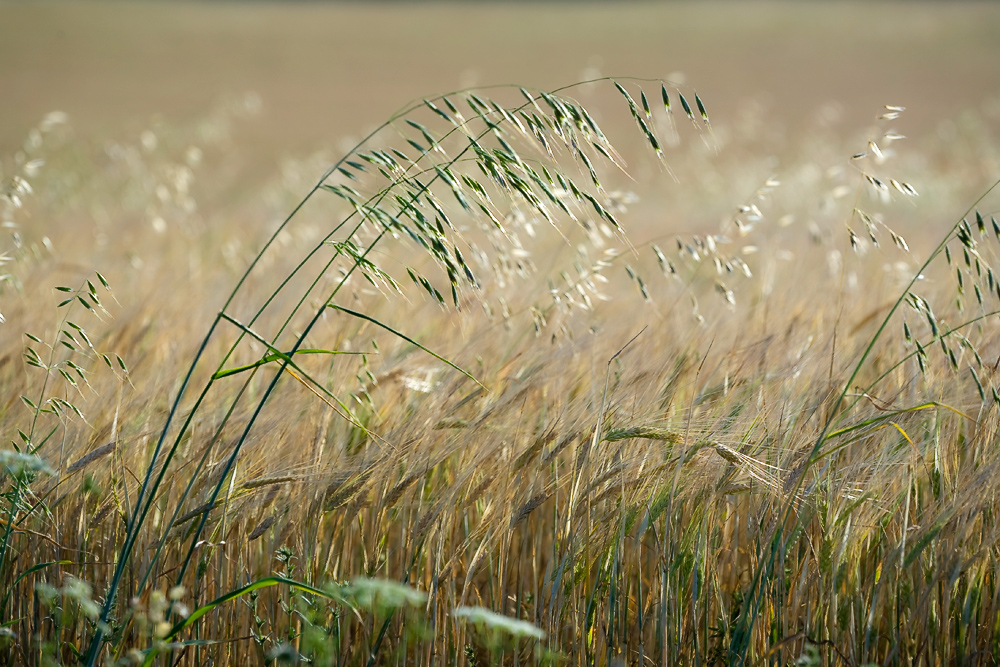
{"x":501,"y":162}
{"x":64,"y":379}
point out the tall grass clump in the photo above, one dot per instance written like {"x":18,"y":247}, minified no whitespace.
{"x":475,"y":401}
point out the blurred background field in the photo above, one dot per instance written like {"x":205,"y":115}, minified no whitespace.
{"x":758,"y":260}
{"x":276,"y":91}
{"x":326,"y":71}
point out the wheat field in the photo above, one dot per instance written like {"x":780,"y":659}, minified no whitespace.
{"x":605,"y":371}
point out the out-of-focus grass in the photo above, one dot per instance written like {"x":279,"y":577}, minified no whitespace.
{"x":331,"y":69}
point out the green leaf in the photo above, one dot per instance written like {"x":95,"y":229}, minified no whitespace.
{"x":362,"y":316}
{"x":232,"y":595}
{"x":31,"y":570}
{"x":273,"y":357}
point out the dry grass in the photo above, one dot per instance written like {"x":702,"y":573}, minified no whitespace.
{"x":760,"y":473}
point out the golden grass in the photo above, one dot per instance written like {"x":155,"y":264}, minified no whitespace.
{"x":621,"y":500}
